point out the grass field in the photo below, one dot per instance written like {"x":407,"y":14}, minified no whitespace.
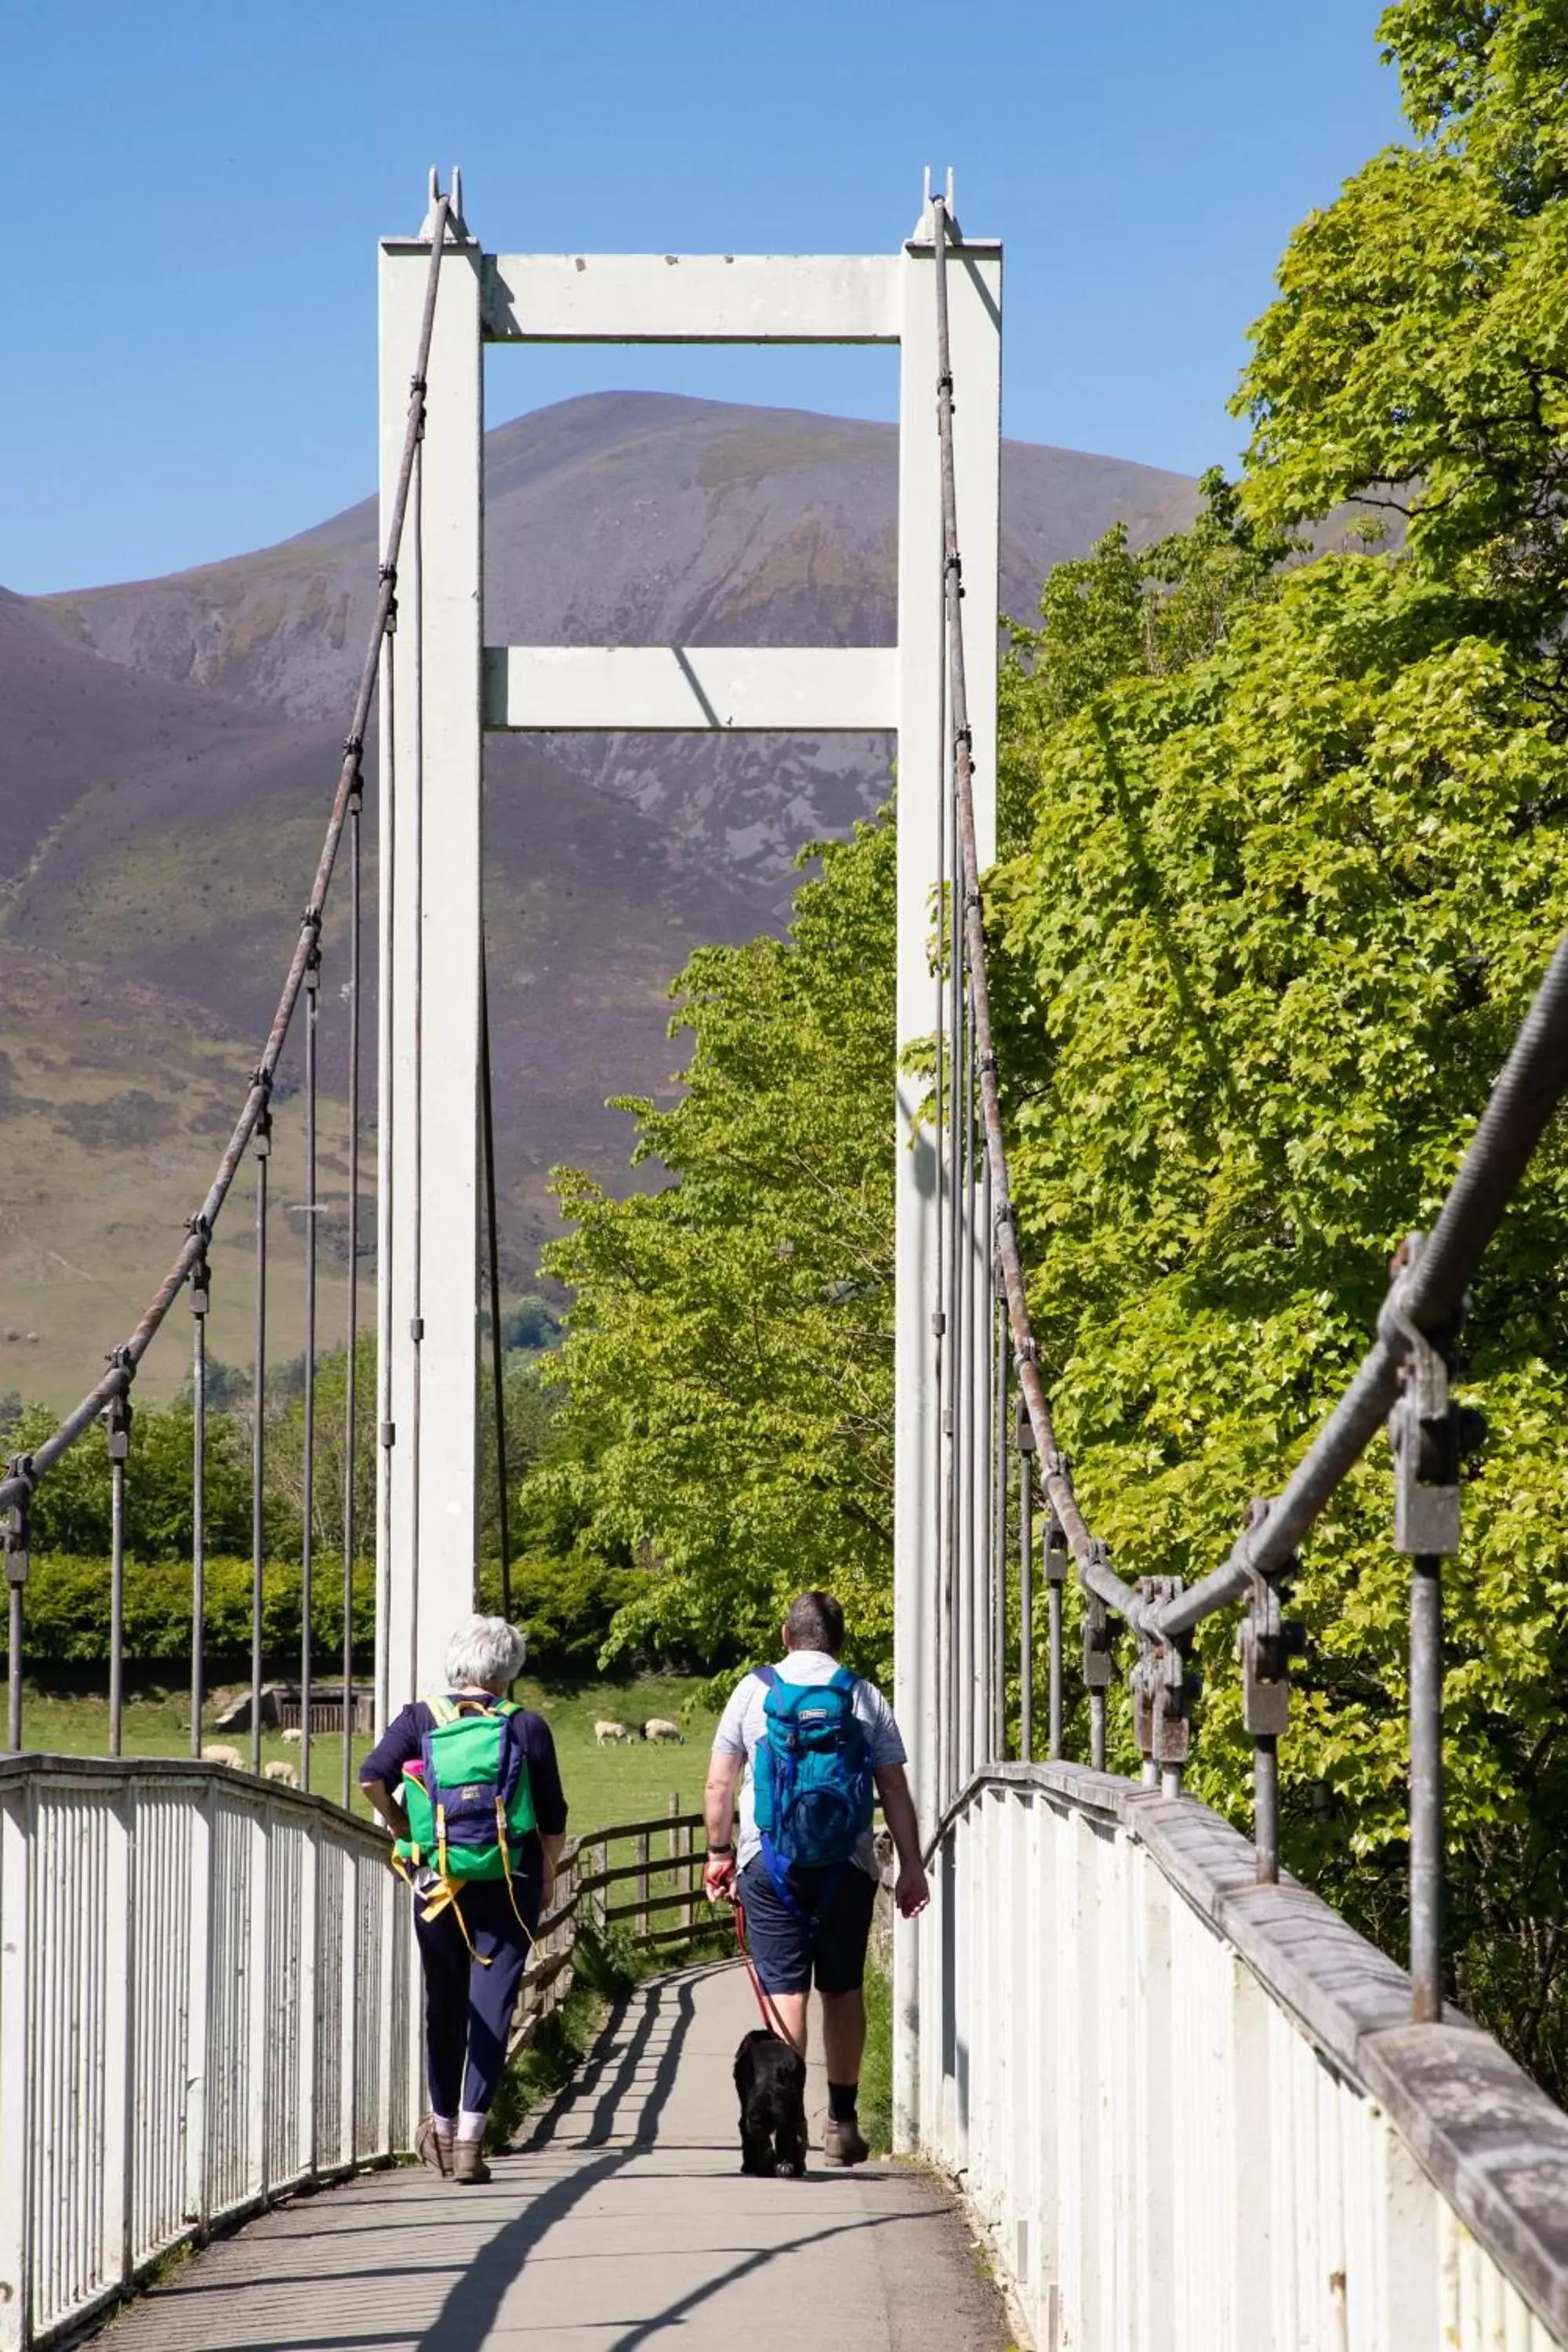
{"x":603,"y":1785}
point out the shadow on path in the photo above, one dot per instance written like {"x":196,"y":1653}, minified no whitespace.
{"x":620,"y":2223}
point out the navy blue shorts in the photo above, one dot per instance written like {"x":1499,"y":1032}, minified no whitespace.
{"x":825,"y":1937}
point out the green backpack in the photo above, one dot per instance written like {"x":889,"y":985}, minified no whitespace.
{"x":467,"y":1800}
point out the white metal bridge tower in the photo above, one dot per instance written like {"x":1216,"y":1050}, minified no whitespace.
{"x":452,"y":687}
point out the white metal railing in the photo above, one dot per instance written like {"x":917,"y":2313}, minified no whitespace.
{"x":1191,"y":2110}
{"x":205,"y":2001}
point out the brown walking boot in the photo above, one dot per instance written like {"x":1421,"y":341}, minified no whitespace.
{"x":842,"y":2143}
{"x":469,"y":2167}
{"x":434,"y":2148}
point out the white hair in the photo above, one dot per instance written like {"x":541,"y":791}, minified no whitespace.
{"x":485,"y":1649}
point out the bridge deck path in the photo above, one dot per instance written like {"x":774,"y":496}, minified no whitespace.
{"x":622,"y":2223}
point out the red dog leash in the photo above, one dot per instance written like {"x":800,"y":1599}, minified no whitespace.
{"x":769,"y":2013}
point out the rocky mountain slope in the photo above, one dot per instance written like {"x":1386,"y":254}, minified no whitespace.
{"x":640,"y":519}
{"x":168,"y":748}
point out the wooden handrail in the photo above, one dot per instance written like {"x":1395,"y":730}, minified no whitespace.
{"x":641,"y":1829}
{"x":547,"y":1977}
{"x":671,"y":1866}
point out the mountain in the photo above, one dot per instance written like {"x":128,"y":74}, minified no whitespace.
{"x":641,"y":518}
{"x":169,"y":747}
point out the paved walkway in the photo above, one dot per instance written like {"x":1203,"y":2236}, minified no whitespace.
{"x":623,"y":2222}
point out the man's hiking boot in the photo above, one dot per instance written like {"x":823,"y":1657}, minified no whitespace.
{"x":469,"y":2167}
{"x":434,"y":2148}
{"x":842,"y":2143}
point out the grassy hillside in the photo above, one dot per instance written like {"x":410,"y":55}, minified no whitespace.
{"x":115,"y":1108}
{"x":603,"y":1785}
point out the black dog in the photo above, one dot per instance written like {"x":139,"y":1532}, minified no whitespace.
{"x":771,"y":2079}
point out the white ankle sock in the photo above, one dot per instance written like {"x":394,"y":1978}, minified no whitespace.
{"x":470,"y":2125}
{"x":443,"y":2124}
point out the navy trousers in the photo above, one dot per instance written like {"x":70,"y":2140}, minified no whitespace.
{"x":469,"y":2009}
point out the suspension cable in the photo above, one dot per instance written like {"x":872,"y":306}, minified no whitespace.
{"x":386,"y":1183}
{"x":487,"y":1113}
{"x":307,"y":1512}
{"x":1426,"y":1296}
{"x":416,"y":1252}
{"x":350,"y":1369}
{"x":15,"y":1489}
{"x":107,"y":1398}
{"x":261,"y":1153}
{"x":1053,"y":1472}
{"x":201,"y":1300}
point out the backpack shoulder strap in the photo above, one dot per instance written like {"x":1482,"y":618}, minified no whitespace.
{"x":442,"y":1710}
{"x":768,"y":1676}
{"x":844,"y":1681}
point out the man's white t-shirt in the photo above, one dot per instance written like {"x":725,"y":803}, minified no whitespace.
{"x":743,"y":1722}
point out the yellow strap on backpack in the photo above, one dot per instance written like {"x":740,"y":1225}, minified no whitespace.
{"x":444,"y":1895}
{"x":506,"y":1866}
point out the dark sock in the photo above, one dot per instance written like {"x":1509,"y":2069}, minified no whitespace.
{"x":841,"y":2098}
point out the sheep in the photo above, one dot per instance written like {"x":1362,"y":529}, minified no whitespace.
{"x":220,"y":1754}
{"x":293,"y":1732}
{"x":283,"y":1773}
{"x":611,"y":1734}
{"x":663,"y":1733}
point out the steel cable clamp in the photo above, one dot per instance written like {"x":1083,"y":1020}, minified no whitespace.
{"x":1096,"y":1621}
{"x":117,"y":1413}
{"x":1266,"y":1641}
{"x":14,"y":1537}
{"x":1428,"y":1433}
{"x":1164,"y":1687}
{"x":200,"y":1278}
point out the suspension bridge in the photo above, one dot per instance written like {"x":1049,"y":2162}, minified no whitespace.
{"x":1183,"y":2104}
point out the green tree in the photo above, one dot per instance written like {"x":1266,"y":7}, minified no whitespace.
{"x":532,"y":1324}
{"x":528,"y":1412}
{"x":1280,"y":914}
{"x":71,"y":1510}
{"x":1416,"y":358}
{"x":286,"y":1455}
{"x":727,"y":1360}
{"x":1121,"y":612}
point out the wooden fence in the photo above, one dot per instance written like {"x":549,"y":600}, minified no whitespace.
{"x":596,"y":1886}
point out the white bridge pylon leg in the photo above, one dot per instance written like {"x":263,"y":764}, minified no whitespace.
{"x":450,"y":688}
{"x":430,"y":882}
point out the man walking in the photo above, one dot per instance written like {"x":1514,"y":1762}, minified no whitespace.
{"x":813,"y":1739}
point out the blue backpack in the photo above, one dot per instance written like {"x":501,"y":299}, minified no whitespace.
{"x":811,"y":1782}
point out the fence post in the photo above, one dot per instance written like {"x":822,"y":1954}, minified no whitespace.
{"x":15,"y":2124}
{"x":348,"y":2011}
{"x":119,"y":2053}
{"x":1024,"y":1438}
{"x":683,"y":1871}
{"x":258,"y":1840}
{"x":309,"y":2000}
{"x":198,"y":2005}
{"x":379,"y":1949}
{"x":565,"y":1895}
{"x":640,"y":1883}
{"x":413,"y":1982}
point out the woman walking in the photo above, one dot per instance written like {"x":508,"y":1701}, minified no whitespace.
{"x":468,"y":1785}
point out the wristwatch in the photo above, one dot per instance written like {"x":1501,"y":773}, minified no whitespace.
{"x":725,"y":1853}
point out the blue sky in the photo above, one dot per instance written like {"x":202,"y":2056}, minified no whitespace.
{"x":197,"y":189}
